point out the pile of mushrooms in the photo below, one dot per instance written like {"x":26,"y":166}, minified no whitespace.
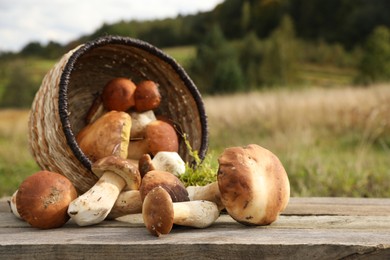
{"x":135,"y":156}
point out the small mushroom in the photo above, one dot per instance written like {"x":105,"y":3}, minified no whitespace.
{"x":43,"y":198}
{"x":160,"y":213}
{"x":147,"y":96}
{"x":166,"y":180}
{"x":118,"y":94}
{"x":12,"y":205}
{"x":253,"y":183}
{"x":209,"y":192}
{"x":108,"y":135}
{"x":94,"y":205}
{"x":169,"y":162}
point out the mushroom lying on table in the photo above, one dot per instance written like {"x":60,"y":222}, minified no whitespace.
{"x":115,"y":174}
{"x":105,"y":142}
{"x":42,"y":199}
{"x":253,"y":183}
{"x":130,"y":202}
{"x":160,"y":213}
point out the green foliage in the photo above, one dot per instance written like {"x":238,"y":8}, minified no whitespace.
{"x":280,"y":56}
{"x":201,"y":172}
{"x":375,"y":63}
{"x":215,"y":68}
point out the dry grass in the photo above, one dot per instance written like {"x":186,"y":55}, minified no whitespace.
{"x":332,"y":142}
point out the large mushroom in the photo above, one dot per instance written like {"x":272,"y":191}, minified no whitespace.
{"x":160,"y":213}
{"x":42,"y":199}
{"x":115,"y":174}
{"x":108,"y":135}
{"x":253,"y":183}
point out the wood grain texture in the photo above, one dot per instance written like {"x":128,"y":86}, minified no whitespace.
{"x":298,"y":234}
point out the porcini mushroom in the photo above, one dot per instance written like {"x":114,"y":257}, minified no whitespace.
{"x":253,"y":183}
{"x":118,"y":94}
{"x":166,"y":180}
{"x":94,"y":205}
{"x":161,"y":136}
{"x":160,"y":213}
{"x":209,"y":192}
{"x":147,"y":96}
{"x":42,"y":199}
{"x":169,"y":162}
{"x":108,"y":135}
{"x":12,"y":205}
{"x":130,"y":202}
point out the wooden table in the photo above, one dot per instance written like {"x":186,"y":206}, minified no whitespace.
{"x":310,"y":228}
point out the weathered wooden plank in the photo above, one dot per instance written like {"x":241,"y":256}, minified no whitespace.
{"x":339,"y":206}
{"x":306,"y":230}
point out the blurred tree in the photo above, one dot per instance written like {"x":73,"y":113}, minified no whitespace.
{"x":20,"y":90}
{"x":215,"y":68}
{"x":375,"y":63}
{"x":280,"y":56}
{"x":251,"y":57}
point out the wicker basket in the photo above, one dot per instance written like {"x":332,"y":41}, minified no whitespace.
{"x":69,"y":88}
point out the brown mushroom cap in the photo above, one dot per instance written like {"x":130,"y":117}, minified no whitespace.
{"x":43,"y":199}
{"x":122,"y":167}
{"x":157,"y":211}
{"x":161,"y":136}
{"x":253,"y":184}
{"x":145,"y":164}
{"x":108,"y":135}
{"x":166,"y":180}
{"x":147,"y":96}
{"x":118,"y":94}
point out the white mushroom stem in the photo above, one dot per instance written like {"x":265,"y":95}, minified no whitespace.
{"x":169,"y":162}
{"x":198,"y":214}
{"x":128,"y":202}
{"x":140,"y":121}
{"x":94,"y":205}
{"x":12,"y":205}
{"x":209,"y":192}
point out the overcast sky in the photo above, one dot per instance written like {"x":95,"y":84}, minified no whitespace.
{"x":23,"y":21}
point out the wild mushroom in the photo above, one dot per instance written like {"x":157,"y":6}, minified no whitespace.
{"x":12,"y":205}
{"x":42,"y":199}
{"x":130,"y":202}
{"x":209,"y":192}
{"x":162,"y":161}
{"x":118,"y":94}
{"x":169,"y":162}
{"x":253,"y":184}
{"x":94,"y":205}
{"x":159,"y":136}
{"x":166,"y":180}
{"x":147,"y":96}
{"x":108,"y":135}
{"x":160,"y":213}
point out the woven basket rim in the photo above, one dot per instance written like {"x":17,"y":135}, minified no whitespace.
{"x":132,"y":42}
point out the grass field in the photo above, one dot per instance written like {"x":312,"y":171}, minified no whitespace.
{"x":332,"y":142}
